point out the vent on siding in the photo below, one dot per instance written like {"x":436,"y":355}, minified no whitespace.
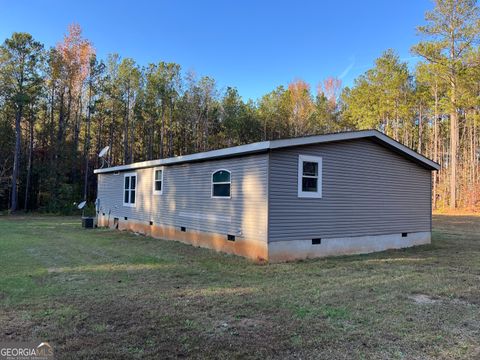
{"x":103,"y":214}
{"x":230,"y":237}
{"x":151,"y":223}
{"x":116,"y":173}
{"x":316,"y":241}
{"x":404,"y":234}
{"x":183,"y":228}
{"x":126,"y":218}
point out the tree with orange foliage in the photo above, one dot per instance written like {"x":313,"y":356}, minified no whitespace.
{"x":74,"y":54}
{"x":301,"y":107}
{"x":331,"y":89}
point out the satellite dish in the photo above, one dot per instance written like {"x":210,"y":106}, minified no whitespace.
{"x":102,"y":154}
{"x":81,"y":205}
{"x":104,"y":151}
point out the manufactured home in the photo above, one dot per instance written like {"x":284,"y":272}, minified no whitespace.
{"x":344,"y":193}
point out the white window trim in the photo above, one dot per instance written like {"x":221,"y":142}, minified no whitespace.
{"x":219,"y":183}
{"x":309,"y":194}
{"x":129,"y":190}
{"x":156,"y":192}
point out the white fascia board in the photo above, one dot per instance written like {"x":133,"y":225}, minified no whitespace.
{"x":406,"y":150}
{"x":232,"y":151}
{"x":317,"y":139}
{"x":276,"y":144}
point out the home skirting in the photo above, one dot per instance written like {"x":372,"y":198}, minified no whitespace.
{"x":252,"y":249}
{"x":303,"y":249}
{"x":278,"y":251}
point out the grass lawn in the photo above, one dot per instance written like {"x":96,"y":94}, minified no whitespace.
{"x":108,"y":294}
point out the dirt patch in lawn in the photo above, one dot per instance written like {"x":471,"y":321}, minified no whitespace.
{"x":423,"y":299}
{"x":151,"y":327}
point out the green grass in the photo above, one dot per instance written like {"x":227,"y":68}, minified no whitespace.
{"x":108,"y":294}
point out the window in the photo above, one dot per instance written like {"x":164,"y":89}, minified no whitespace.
{"x":158,"y":181}
{"x":309,"y":176}
{"x":129,"y":189}
{"x":221,"y":184}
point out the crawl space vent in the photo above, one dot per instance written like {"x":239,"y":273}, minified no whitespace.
{"x":316,"y":241}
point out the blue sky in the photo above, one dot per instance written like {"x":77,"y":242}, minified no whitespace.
{"x":252,"y":45}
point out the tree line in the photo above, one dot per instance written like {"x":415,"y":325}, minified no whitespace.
{"x":60,"y":106}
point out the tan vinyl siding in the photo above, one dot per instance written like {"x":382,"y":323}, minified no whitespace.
{"x":367,"y":190}
{"x":186,"y":199}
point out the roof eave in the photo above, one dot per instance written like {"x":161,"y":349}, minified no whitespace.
{"x":213,"y":154}
{"x":395,"y":145}
{"x":420,"y":159}
{"x":278,"y":144}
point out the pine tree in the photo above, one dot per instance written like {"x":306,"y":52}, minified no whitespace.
{"x":20,"y":64}
{"x":452,"y":29}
